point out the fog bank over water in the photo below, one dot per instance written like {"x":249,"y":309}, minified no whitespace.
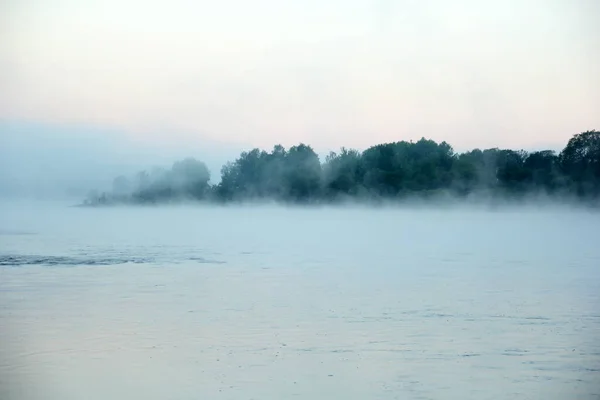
{"x":387,"y":172}
{"x":68,"y":161}
{"x":44,"y":161}
{"x":314,"y":200}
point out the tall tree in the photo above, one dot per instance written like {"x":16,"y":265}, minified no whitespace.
{"x":580,"y":161}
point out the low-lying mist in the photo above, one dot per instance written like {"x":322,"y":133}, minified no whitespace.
{"x":401,"y":173}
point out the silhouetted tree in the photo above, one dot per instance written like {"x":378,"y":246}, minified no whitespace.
{"x":389,"y":170}
{"x":510,"y":170}
{"x":343,"y":174}
{"x":302,"y":174}
{"x":580,"y":161}
{"x":543,"y":171}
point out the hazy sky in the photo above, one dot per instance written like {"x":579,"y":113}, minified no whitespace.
{"x":507,"y":73}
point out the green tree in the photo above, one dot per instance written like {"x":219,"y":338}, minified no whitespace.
{"x":542,"y":170}
{"x":389,"y":170}
{"x":302,"y":174}
{"x":580,"y":161}
{"x":343,"y":174}
{"x":510,"y":170}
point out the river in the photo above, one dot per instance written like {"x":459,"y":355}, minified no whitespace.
{"x":271,"y":303}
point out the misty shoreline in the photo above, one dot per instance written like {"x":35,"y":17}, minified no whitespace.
{"x":386,"y":174}
{"x":473,"y":202}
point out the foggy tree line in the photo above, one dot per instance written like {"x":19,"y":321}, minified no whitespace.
{"x":386,"y":171}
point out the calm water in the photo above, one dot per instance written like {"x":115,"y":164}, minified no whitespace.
{"x":267,"y":303}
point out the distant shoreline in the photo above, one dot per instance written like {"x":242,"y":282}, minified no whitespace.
{"x":413,"y":202}
{"x":386,"y":173}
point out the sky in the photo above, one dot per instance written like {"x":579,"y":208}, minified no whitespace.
{"x":180,"y":75}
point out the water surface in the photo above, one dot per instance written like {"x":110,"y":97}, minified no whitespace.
{"x":272,"y":303}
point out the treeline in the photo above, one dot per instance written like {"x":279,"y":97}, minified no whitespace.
{"x":383,"y":172}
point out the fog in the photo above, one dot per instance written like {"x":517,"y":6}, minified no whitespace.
{"x":38,"y":161}
{"x":388,"y":199}
{"x":67,"y":162}
{"x":398,"y":172}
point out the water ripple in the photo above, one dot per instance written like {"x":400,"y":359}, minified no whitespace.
{"x":22,"y":260}
{"x":28,"y":260}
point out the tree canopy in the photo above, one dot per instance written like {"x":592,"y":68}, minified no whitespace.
{"x":384,"y":171}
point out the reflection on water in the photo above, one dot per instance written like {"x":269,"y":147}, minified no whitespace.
{"x":307,"y":304}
